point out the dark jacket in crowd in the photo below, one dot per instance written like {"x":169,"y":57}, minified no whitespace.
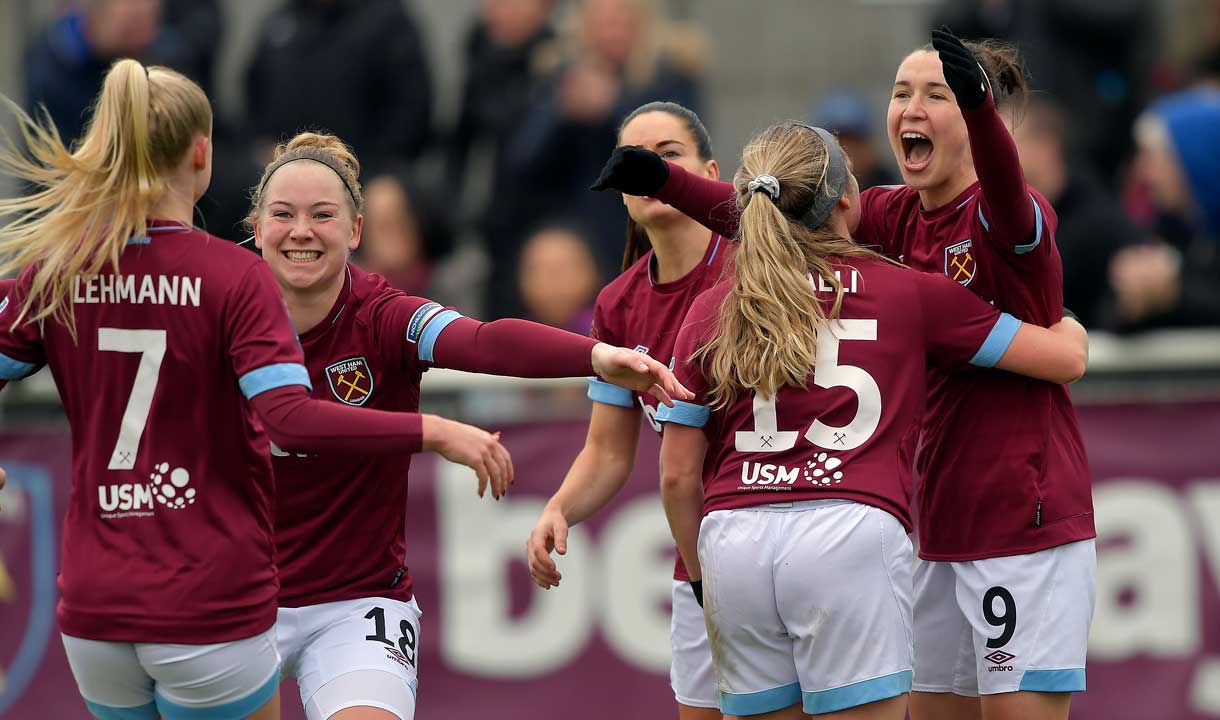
{"x":356,"y":68}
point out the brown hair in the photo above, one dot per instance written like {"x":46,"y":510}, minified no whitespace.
{"x":1005,"y":70}
{"x":767,"y":332}
{"x":638,"y":243}
{"x":89,"y":201}
{"x":326,"y":149}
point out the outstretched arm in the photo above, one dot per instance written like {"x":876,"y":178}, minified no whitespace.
{"x":637,"y":171}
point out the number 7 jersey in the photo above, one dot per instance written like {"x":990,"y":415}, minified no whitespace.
{"x":168,"y":531}
{"x":844,"y":433}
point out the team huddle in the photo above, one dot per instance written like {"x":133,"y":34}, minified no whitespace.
{"x":823,"y":399}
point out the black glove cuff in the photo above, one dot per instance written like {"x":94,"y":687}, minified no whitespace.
{"x":696,"y":587}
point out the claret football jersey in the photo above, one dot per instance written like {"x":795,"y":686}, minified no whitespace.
{"x":838,"y":436}
{"x":168,"y":535}
{"x":635,"y":311}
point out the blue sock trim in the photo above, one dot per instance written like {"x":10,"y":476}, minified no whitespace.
{"x":236,"y":710}
{"x":1069,"y":680}
{"x":105,"y":712}
{"x":760,"y":702}
{"x":858,"y":693}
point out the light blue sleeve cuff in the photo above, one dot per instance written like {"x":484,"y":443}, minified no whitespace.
{"x":432,"y":331}
{"x":1022,"y":249}
{"x":684,"y":413}
{"x":270,"y":377}
{"x":607,"y":394}
{"x":997,"y":341}
{"x":13,"y":369}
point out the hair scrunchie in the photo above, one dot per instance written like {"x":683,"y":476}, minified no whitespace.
{"x":766,"y":183}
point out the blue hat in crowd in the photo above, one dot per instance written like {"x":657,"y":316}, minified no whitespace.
{"x":843,"y":112}
{"x":1192,"y":118}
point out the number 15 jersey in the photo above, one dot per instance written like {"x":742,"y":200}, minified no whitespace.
{"x":168,"y":536}
{"x":841,"y":434}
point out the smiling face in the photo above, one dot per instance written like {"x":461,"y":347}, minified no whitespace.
{"x":307,"y":227}
{"x":926,"y":129}
{"x":667,"y":136}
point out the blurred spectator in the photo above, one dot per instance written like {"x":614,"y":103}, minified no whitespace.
{"x":500,"y":49}
{"x":1176,"y":280}
{"x":848,"y":116}
{"x":1095,"y":57}
{"x":355,"y":68}
{"x":558,"y":278}
{"x":616,"y":55}
{"x":67,"y":61}
{"x":1092,"y":225}
{"x":405,"y":234}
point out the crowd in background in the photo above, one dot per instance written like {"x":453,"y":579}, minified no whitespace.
{"x":1123,"y":141}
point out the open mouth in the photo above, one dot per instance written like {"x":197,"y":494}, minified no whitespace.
{"x":302,"y":256}
{"x":916,"y":151}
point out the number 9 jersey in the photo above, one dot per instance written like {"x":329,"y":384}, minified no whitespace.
{"x":840,"y":436}
{"x":168,"y":531}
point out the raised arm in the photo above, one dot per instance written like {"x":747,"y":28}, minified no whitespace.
{"x":597,"y":475}
{"x":636,"y":171}
{"x":1011,"y":216}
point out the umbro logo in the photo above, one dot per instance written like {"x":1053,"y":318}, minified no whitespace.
{"x":999,"y":660}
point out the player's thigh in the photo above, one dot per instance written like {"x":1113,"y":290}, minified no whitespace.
{"x":943,"y":705}
{"x":1027,"y":706}
{"x":110,"y":678}
{"x":361,"y":653}
{"x":944,"y":644}
{"x":894,"y":708}
{"x":1030,"y":615}
{"x":221,"y":681}
{"x":843,"y":573}
{"x":792,"y":712}
{"x":691,"y":672}
{"x":755,"y":670}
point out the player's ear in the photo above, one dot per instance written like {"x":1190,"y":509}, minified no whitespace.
{"x":356,"y":233}
{"x":258,"y":235}
{"x":711,"y":169}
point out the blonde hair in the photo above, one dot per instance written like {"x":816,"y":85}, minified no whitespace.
{"x":766,"y":337}
{"x":90,"y":200}
{"x":322,"y":148}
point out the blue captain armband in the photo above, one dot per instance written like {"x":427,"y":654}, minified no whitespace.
{"x":684,"y":413}
{"x":14,"y":369}
{"x":997,"y":342}
{"x":270,"y":377}
{"x":607,"y":394}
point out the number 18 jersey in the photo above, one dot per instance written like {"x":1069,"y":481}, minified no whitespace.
{"x":840,"y":435}
{"x":168,"y":532}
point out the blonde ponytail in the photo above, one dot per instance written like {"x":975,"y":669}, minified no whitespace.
{"x":89,"y":201}
{"x":766,"y":337}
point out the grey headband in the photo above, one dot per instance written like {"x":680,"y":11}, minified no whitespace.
{"x":836,"y":182}
{"x":318,"y":158}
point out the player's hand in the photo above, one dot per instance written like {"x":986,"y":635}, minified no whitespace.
{"x":633,"y":170}
{"x":963,"y":73}
{"x":637,"y":371}
{"x":473,"y":447}
{"x":549,"y":533}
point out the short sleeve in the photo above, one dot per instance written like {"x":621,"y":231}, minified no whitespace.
{"x":959,"y":327}
{"x":604,"y":330}
{"x":21,"y":348}
{"x":873,"y":230}
{"x":262,"y":346}
{"x":696,"y":329}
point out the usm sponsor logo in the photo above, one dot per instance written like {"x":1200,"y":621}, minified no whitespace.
{"x":764,"y":474}
{"x":122,"y":500}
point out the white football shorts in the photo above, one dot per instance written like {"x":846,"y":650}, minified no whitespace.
{"x":141,"y":681}
{"x":353,"y":652}
{"x":807,"y":602}
{"x":690,"y":670}
{"x":1006,"y":624}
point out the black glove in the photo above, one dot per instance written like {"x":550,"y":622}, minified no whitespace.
{"x":696,"y":587}
{"x":633,"y":171}
{"x":962,"y":71}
